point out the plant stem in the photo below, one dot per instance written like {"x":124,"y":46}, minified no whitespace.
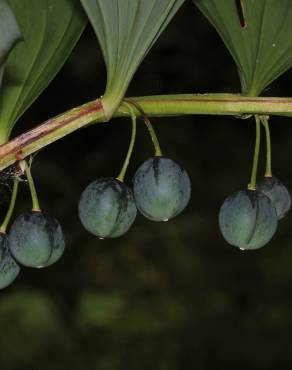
{"x":265,"y":121}
{"x":121,"y":175}
{"x":9,"y":213}
{"x":34,"y":196}
{"x":253,"y":179}
{"x":211,"y":104}
{"x":150,"y":128}
{"x":50,"y":131}
{"x":154,"y":106}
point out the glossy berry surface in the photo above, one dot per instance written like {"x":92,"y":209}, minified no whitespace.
{"x":278,"y":193}
{"x":36,"y":239}
{"x":247,"y":219}
{"x":107,"y":208}
{"x":9,"y":269}
{"x":162,"y":188}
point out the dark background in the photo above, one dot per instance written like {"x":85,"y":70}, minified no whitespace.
{"x":165,"y":296}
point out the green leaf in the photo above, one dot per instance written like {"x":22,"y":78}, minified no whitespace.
{"x":126,"y":30}
{"x":9,"y":33}
{"x":263,"y":49}
{"x":50,"y":29}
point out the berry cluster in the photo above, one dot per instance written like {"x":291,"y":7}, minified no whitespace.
{"x":249,"y":218}
{"x":35,"y":238}
{"x":161,"y":190}
{"x":107,"y":209}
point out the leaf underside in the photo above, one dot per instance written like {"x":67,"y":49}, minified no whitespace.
{"x":9,"y":33}
{"x":258,"y":34}
{"x":50,"y":29}
{"x":126,"y":30}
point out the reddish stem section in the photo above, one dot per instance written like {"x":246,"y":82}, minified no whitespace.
{"x":58,"y":127}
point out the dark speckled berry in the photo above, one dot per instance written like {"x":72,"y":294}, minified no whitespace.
{"x":247,"y":219}
{"x":162,"y":188}
{"x":36,"y":239}
{"x":107,"y":208}
{"x":278,"y":193}
{"x":9,"y":269}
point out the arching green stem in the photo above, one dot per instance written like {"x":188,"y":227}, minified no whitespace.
{"x":253,"y":179}
{"x":265,"y":121}
{"x":150,"y":128}
{"x":154,"y":138}
{"x":131,"y":146}
{"x":10,"y":210}
{"x":34,"y":197}
{"x":155,"y":106}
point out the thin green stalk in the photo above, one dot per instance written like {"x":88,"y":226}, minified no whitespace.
{"x":154,"y":138}
{"x":265,"y":121}
{"x":121,"y":175}
{"x":34,"y":196}
{"x":253,"y":179}
{"x":10,"y":210}
{"x":150,"y":128}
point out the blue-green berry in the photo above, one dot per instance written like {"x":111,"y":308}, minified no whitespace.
{"x":248,"y":219}
{"x":162,"y":188}
{"x":9,"y":269}
{"x":36,"y":239}
{"x":107,"y":208}
{"x":278,"y":193}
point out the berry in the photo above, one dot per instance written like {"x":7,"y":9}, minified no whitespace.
{"x":9,"y":269}
{"x":162,"y":188}
{"x":36,"y":239}
{"x":247,"y":219}
{"x":107,"y":208}
{"x":278,"y":193}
